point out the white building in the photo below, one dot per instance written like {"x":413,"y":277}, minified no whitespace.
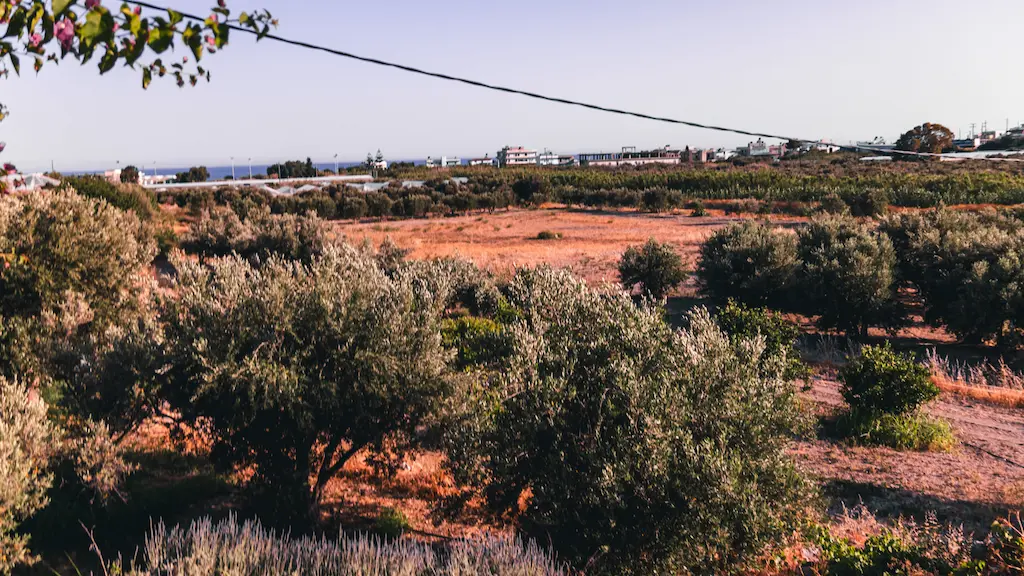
{"x":485,"y":161}
{"x":450,"y":161}
{"x":517,"y":156}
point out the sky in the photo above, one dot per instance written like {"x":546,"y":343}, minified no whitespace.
{"x":811,"y":69}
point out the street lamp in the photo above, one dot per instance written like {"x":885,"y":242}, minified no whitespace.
{"x":250,"y":168}
{"x":335,"y":164}
{"x":232,"y":167}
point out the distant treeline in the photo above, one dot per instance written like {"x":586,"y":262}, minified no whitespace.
{"x":650,"y":190}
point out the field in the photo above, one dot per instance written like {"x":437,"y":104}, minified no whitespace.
{"x":981,"y":480}
{"x":591,"y":243}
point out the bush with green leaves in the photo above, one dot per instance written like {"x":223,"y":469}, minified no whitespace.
{"x":657,"y":268}
{"x":129,"y":196}
{"x":847,"y":276}
{"x":27,"y":442}
{"x":291,"y":369}
{"x":780,"y":335}
{"x":750,"y":263}
{"x":632,"y":447}
{"x":234,"y":547}
{"x":885,"y":390}
{"x":261,"y":235}
{"x":968,"y":269}
{"x":65,"y":244}
{"x":477,"y":341}
{"x":883,"y":381}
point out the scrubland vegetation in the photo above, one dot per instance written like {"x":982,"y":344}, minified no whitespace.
{"x":599,"y":429}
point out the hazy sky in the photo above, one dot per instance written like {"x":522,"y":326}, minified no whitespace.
{"x":845,"y":70}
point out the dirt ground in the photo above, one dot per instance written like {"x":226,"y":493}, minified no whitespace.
{"x":591,"y":244}
{"x":975,"y":484}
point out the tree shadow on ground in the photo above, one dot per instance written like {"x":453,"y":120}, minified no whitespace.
{"x":893,"y":503}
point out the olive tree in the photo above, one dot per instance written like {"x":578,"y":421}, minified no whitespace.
{"x":259,"y":236}
{"x":657,"y":268}
{"x":292,"y":369}
{"x":847,"y":276}
{"x":630,"y":446}
{"x":749,"y":263}
{"x":26,"y":445}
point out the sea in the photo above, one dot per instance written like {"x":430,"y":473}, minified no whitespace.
{"x":222,"y":172}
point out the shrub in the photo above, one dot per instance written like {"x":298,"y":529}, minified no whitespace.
{"x":68,"y":244}
{"x":699,"y":211}
{"x":847,"y":276}
{"x":262,"y":235}
{"x":779,"y":334}
{"x":26,"y":445}
{"x":125,"y":196}
{"x":911,"y":431}
{"x":294,"y":369}
{"x":749,"y":263}
{"x":233,"y":547}
{"x":833,"y":204}
{"x":883,"y":381}
{"x":873,"y":202}
{"x":549,"y":235}
{"x":629,"y":445}
{"x":657,"y":268}
{"x":478,"y":341}
{"x":968,"y":268}
{"x":391,"y":522}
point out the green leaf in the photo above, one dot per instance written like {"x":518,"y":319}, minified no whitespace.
{"x":175,"y":17}
{"x":35,"y":17}
{"x":15,"y":63}
{"x":147,"y":77}
{"x":193,"y":37}
{"x":108,"y":61}
{"x":244,"y":19}
{"x":60,"y":6}
{"x":47,"y":27}
{"x":17,"y":23}
{"x":38,"y":65}
{"x":160,"y":39}
{"x":93,"y":27}
{"x":221,"y":35}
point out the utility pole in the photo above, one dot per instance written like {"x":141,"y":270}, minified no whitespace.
{"x":232,"y":167}
{"x":972,"y":129}
{"x":335,"y":164}
{"x":250,"y":168}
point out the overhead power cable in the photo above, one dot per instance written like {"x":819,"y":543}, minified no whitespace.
{"x":534,"y":95}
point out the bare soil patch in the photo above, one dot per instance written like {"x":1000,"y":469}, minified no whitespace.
{"x":591,"y":244}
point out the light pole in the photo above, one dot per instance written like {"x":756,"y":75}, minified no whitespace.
{"x":336,"y":165}
{"x":154,"y":170}
{"x":232,"y":167}
{"x":250,"y":168}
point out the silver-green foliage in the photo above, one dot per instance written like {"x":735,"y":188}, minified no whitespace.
{"x":27,"y":442}
{"x":261,"y":235}
{"x":292,"y":368}
{"x":233,"y":547}
{"x":847,"y":276}
{"x":629,"y":445}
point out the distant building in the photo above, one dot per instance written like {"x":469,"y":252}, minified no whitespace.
{"x":631,"y":157}
{"x":430,"y":163}
{"x":485,"y":161}
{"x":517,"y":156}
{"x":450,"y":161}
{"x":549,"y":158}
{"x":762,"y":148}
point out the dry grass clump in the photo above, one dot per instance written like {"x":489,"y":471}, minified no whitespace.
{"x":234,"y":547}
{"x":992,"y":383}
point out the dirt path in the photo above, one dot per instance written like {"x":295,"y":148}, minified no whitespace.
{"x":977,"y":482}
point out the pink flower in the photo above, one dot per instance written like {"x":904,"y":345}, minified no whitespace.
{"x":211,"y":41}
{"x":222,"y":3}
{"x":213,"y":17}
{"x":64,"y":31}
{"x":34,"y":40}
{"x":184,"y":60}
{"x":138,"y":10}
{"x":117,"y":26}
{"x":90,"y":4}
